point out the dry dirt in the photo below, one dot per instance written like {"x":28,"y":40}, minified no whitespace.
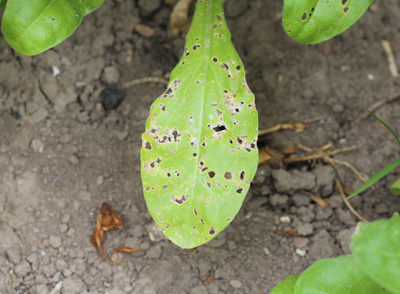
{"x":62,"y":154}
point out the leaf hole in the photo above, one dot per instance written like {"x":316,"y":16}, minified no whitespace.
{"x":346,"y":9}
{"x":215,"y":59}
{"x":180,"y":199}
{"x":239,"y":190}
{"x":304,"y":17}
{"x":211,"y":174}
{"x":195,"y":212}
{"x":242,"y":174}
{"x":228,"y":176}
{"x":147,"y":146}
{"x":211,"y":231}
{"x":344,"y":2}
{"x":219,"y":128}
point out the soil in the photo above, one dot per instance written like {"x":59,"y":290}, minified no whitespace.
{"x":62,"y":154}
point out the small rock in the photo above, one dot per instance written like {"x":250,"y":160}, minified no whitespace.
{"x":38,"y":116}
{"x":85,"y":196}
{"x":31,"y":107}
{"x":263,"y":172}
{"x":301,"y":200}
{"x":306,"y":214}
{"x":45,"y":170}
{"x":111,"y":97}
{"x":236,"y":284}
{"x":345,"y":216}
{"x":37,"y":146}
{"x":111,"y":75}
{"x":335,"y":201}
{"x":154,"y":252}
{"x":278,"y":199}
{"x":147,"y":7}
{"x":323,"y":246}
{"x":73,"y":285}
{"x":323,"y":213}
{"x":74,"y":160}
{"x":99,"y":180}
{"x":300,"y":242}
{"x":55,"y":241}
{"x":300,"y":252}
{"x":154,"y":232}
{"x":265,"y":190}
{"x":13,"y":255}
{"x":23,"y":268}
{"x":304,"y":229}
{"x":325,"y":175}
{"x":121,"y":135}
{"x":344,"y":237}
{"x":62,"y":228}
{"x":293,"y":181}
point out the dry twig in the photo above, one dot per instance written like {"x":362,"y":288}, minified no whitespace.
{"x":108,"y":220}
{"x":341,"y":191}
{"x":321,"y":201}
{"x":380,"y":103}
{"x":145,"y":80}
{"x":390,"y":58}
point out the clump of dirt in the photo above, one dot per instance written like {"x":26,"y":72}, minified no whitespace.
{"x":62,"y":153}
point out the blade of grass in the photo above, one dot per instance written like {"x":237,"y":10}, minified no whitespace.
{"x":395,"y":189}
{"x":376,"y":177}
{"x":386,"y":126}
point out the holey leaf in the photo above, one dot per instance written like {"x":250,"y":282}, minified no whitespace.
{"x":31,"y":27}
{"x":199,"y":151}
{"x":314,"y":21}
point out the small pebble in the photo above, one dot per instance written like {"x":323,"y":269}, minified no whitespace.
{"x":300,"y":252}
{"x":37,"y":146}
{"x":99,"y":180}
{"x":300,"y":242}
{"x":55,"y":241}
{"x":236,"y":284}
{"x":73,"y":160}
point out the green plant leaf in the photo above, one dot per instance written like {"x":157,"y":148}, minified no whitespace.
{"x":286,"y":286}
{"x":3,"y":3}
{"x":376,"y":177}
{"x":336,"y":275}
{"x":199,"y":151}
{"x":31,"y":27}
{"x":395,"y":188}
{"x":384,"y":124}
{"x":376,"y":248}
{"x":314,"y":21}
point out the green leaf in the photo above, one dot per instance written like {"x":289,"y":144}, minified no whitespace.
{"x":31,"y":27}
{"x":3,"y":3}
{"x":395,"y":189}
{"x":314,"y":21}
{"x":286,"y":286}
{"x":199,"y":152}
{"x":376,"y":177}
{"x":336,"y":275}
{"x":376,"y":248}
{"x":384,"y":124}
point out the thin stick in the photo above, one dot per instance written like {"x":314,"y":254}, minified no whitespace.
{"x":340,"y":187}
{"x":145,"y":80}
{"x":359,"y":175}
{"x":379,"y":103}
{"x":321,"y":201}
{"x":390,"y":58}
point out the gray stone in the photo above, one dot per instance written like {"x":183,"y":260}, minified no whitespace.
{"x":325,"y":175}
{"x":111,"y":75}
{"x":345,"y":216}
{"x":23,"y":268}
{"x":155,"y":251}
{"x":344,"y":237}
{"x":204,"y":268}
{"x":278,"y":199}
{"x":37,"y":146}
{"x":38,"y":116}
{"x":263,"y":172}
{"x":235,"y":8}
{"x":265,"y":190}
{"x":293,"y":181}
{"x":73,"y":160}
{"x":306,"y":214}
{"x":73,"y":285}
{"x":13,"y":255}
{"x":304,"y":229}
{"x":323,"y":246}
{"x":382,"y":208}
{"x":335,"y":201}
{"x":301,"y":200}
{"x":55,"y":241}
{"x":323,"y":213}
{"x":236,"y":284}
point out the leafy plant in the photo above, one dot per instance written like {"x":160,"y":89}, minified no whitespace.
{"x":372,"y":268}
{"x":199,"y":152}
{"x":31,"y":27}
{"x":395,"y":189}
